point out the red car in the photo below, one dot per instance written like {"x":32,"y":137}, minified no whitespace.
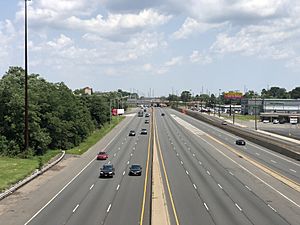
{"x":102,"y":156}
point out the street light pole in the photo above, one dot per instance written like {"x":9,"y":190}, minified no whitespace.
{"x":26,"y":132}
{"x":219,"y":103}
{"x":255,"y":112}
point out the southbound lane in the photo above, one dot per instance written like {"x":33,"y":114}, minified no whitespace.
{"x":204,"y":192}
{"x":275,"y":161}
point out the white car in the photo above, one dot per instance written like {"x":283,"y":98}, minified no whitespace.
{"x":265,"y":121}
{"x":275,"y":121}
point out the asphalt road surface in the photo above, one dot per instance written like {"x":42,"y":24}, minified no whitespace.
{"x":202,"y":189}
{"x":92,"y":200}
{"x":207,"y":179}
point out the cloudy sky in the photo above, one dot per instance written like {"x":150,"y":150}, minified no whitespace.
{"x":166,"y":45}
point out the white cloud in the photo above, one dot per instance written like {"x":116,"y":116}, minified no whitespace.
{"x":197,"y":57}
{"x":191,"y":26}
{"x":60,"y":42}
{"x":147,"y":67}
{"x":174,"y":61}
{"x":71,"y":15}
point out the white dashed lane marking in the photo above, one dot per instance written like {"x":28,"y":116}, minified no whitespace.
{"x":92,"y":186}
{"x":76,"y":207}
{"x":108,"y":208}
{"x":238,"y":206}
{"x":293,"y":170}
{"x":206,"y":206}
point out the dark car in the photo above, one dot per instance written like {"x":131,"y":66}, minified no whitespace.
{"x":240,"y":142}
{"x":162,"y":114}
{"x":107,"y":170}
{"x":132,"y":133}
{"x":146,"y":121}
{"x":147,"y":115}
{"x":135,"y":170}
{"x":144,"y":131}
{"x":102,"y":156}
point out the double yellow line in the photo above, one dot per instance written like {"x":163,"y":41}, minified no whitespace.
{"x":155,"y":139}
{"x":147,"y":171}
{"x":165,"y":173}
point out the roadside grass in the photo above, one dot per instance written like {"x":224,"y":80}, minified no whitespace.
{"x":13,"y":170}
{"x":241,"y":117}
{"x":95,"y":137}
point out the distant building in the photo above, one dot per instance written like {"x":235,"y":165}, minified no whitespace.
{"x":270,"y":109}
{"x":270,"y":106}
{"x":87,"y":90}
{"x":251,"y":106}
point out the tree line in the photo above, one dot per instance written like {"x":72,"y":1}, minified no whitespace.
{"x":210,"y":100}
{"x":58,"y":117}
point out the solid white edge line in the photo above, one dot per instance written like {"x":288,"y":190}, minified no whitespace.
{"x":92,"y":186}
{"x":108,"y":208}
{"x":248,"y":171}
{"x":238,"y":206}
{"x":58,"y":193}
{"x":72,"y":179}
{"x":75,"y":208}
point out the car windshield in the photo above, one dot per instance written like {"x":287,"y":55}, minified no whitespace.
{"x":102,"y":153}
{"x":135,"y":167}
{"x":107,"y":167}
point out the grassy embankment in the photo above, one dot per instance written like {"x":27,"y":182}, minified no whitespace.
{"x":13,"y":170}
{"x":95,"y":137}
{"x":240,"y":117}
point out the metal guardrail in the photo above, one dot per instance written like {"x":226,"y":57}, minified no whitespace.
{"x":30,"y":178}
{"x":283,"y":147}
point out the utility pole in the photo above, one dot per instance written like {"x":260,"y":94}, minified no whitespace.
{"x":26,"y":131}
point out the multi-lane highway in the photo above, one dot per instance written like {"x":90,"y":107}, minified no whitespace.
{"x":203,"y":189}
{"x":206,"y":179}
{"x":92,"y":200}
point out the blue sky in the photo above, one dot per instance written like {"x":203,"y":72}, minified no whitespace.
{"x":165,"y":45}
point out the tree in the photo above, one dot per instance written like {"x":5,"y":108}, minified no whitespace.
{"x":275,"y":92}
{"x":295,"y":93}
{"x":186,"y":96}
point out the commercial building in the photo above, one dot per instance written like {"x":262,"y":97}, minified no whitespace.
{"x":285,"y":110}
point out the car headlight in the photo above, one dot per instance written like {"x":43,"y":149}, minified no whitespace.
{"x":110,"y":172}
